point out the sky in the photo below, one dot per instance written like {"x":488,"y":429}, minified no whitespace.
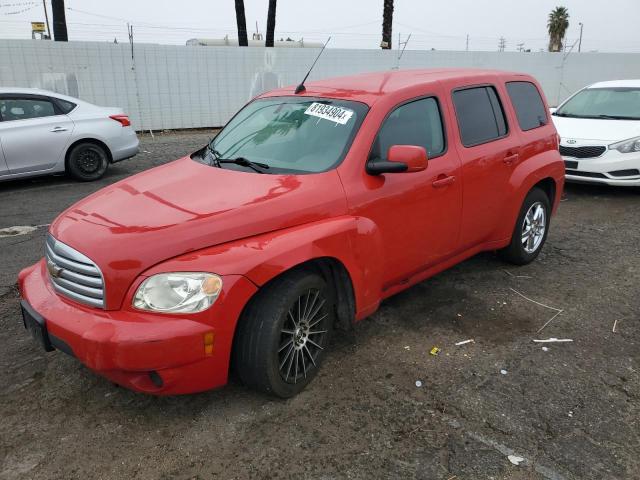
{"x":609,"y":26}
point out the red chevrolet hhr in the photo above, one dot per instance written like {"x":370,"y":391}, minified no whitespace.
{"x":304,"y":213}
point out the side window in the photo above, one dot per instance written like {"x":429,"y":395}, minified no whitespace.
{"x":24,"y":108}
{"x":528,"y":104}
{"x":415,"y":123}
{"x":65,"y":106}
{"x":480,"y":115}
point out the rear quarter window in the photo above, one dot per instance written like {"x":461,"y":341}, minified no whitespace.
{"x":528,"y":105}
{"x":480,"y":115}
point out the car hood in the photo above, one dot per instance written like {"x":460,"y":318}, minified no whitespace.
{"x":184,"y":206}
{"x":606,"y":131}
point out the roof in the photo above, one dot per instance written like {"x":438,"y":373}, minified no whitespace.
{"x":31,"y":91}
{"x":616,"y":83}
{"x":368,"y":87}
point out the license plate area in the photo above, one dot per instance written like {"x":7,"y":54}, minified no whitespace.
{"x":571,"y":164}
{"x":36,"y":326}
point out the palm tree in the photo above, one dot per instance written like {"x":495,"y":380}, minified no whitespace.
{"x":557,"y":25}
{"x":59,"y":21}
{"x":271,"y":23}
{"x":387,"y":22}
{"x":241,"y":20}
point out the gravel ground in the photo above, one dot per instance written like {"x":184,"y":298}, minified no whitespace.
{"x":570,"y":411}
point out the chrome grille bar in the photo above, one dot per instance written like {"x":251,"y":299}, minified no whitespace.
{"x":73,"y":274}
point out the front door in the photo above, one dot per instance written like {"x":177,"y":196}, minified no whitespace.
{"x":418,"y":213}
{"x":33,"y":133}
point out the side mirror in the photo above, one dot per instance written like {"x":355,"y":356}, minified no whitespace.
{"x":552,"y":110}
{"x":400,"y":158}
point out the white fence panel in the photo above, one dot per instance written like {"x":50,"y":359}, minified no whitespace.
{"x":166,"y":86}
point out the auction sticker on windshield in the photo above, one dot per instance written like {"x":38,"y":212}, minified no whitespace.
{"x":329,"y":112}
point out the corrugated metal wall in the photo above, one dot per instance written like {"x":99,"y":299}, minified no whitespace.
{"x":167,"y":86}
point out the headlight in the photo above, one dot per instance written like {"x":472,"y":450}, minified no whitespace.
{"x":627,"y":146}
{"x":178,"y":292}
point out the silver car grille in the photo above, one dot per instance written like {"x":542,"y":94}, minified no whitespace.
{"x":74,"y":275}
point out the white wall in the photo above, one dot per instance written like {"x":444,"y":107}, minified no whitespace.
{"x":186,"y":87}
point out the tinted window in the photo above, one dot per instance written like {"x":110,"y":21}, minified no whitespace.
{"x":480,"y":115}
{"x":528,"y":104}
{"x":65,"y":106}
{"x":23,"y":108}
{"x":415,"y":123}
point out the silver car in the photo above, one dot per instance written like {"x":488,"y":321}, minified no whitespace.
{"x":43,"y":132}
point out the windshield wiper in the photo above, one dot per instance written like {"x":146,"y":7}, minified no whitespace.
{"x":243,"y":162}
{"x":616,"y":117}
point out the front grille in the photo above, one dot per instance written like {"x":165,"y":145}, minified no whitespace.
{"x":590,"y":151}
{"x":74,"y":275}
{"x":585,"y":174}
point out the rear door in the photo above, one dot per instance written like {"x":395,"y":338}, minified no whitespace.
{"x":33,"y":132}
{"x":489,"y":151}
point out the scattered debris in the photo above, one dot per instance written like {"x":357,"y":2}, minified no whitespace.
{"x":614,"y":326}
{"x":464,"y":342}
{"x":459,"y":314}
{"x":545,"y":349}
{"x":434,"y":351}
{"x":515,"y":459}
{"x":515,"y":276}
{"x":418,"y":383}
{"x":571,"y":413}
{"x":557,"y":310}
{"x":553,"y":340}
{"x":407,"y":347}
{"x":503,"y":371}
{"x":16,"y":231}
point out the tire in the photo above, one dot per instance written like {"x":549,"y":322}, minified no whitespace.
{"x":273,"y":353}
{"x":536,"y":203}
{"x":87,"y":162}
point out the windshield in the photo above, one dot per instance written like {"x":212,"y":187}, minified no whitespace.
{"x":610,"y":103}
{"x":289,"y":135}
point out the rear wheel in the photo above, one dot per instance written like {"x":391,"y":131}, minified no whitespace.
{"x":531,"y":229}
{"x":284,"y":333}
{"x":87,"y":162}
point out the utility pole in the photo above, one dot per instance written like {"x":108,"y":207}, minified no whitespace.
{"x":59,"y":21}
{"x":467,"y":49}
{"x":580,"y":42}
{"x":46,"y":16}
{"x":521,"y":47}
{"x":502,"y":44}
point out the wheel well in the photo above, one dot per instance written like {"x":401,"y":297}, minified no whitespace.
{"x":336,"y":275}
{"x":87,"y":140}
{"x":548,"y":186}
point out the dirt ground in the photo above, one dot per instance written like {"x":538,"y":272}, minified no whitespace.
{"x":570,"y":411}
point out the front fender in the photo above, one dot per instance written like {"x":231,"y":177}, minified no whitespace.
{"x":353,"y":241}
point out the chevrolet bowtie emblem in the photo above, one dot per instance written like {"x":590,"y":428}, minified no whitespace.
{"x":53,"y":269}
{"x":571,"y":141}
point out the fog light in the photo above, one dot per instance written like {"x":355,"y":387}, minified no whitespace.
{"x":208,"y":344}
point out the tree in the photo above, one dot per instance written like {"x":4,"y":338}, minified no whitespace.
{"x":557,"y":25}
{"x":387,"y":23}
{"x":241,"y":20}
{"x":59,"y":21}
{"x":271,"y":23}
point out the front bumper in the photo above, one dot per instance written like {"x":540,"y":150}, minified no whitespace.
{"x":151,"y":353}
{"x":611,"y":168}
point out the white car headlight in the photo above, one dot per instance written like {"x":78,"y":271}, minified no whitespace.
{"x":627,"y":146}
{"x":178,"y":292}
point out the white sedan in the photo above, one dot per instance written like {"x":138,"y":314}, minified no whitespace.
{"x":42,"y":132}
{"x":599,"y":128}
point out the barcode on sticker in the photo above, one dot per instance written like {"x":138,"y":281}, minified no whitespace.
{"x":329,"y":112}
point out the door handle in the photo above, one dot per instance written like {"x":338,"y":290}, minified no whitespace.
{"x":443,"y":181}
{"x":58,"y":129}
{"x":510,"y":158}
